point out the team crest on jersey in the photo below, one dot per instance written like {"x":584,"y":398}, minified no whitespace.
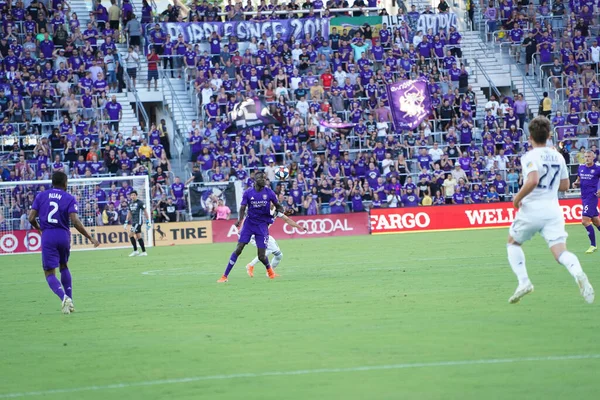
{"x":529,"y":164}
{"x":264,"y":196}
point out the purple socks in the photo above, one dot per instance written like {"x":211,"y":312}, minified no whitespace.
{"x":591,"y":234}
{"x":232,"y":261}
{"x":65,"y":279}
{"x":267,"y":264}
{"x":55,"y":286}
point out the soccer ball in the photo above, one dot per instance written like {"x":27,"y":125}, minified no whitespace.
{"x":282,"y":173}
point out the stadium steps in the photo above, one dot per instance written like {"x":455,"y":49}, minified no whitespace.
{"x":129,"y":119}
{"x":504,"y":71}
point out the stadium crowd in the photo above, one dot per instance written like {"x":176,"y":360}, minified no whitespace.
{"x":57,"y":75}
{"x":558,"y":43}
{"x":58,"y":112}
{"x":455,"y":157}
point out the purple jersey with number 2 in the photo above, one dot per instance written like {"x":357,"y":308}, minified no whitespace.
{"x":589,"y":177}
{"x":258,"y":216}
{"x":53,"y":207}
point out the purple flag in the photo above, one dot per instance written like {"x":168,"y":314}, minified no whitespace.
{"x":337,"y":125}
{"x":249,"y":113}
{"x":566,"y":132}
{"x":410,"y":103}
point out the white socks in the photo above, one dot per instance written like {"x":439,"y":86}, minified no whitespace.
{"x":254,"y":261}
{"x":516,"y":259}
{"x":276,"y":260}
{"x":571,"y":263}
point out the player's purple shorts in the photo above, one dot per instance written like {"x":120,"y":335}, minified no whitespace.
{"x":56,"y":248}
{"x":260,"y":232}
{"x":590,"y":207}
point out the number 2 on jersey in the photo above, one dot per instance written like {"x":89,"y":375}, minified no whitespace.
{"x":550,"y":173}
{"x":54,"y":206}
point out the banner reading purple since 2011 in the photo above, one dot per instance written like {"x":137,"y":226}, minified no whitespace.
{"x":194,"y":32}
{"x":409,"y":102}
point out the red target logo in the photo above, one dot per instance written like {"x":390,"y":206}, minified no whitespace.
{"x":33,"y":241}
{"x":9,"y":243}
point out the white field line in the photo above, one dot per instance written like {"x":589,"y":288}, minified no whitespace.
{"x":174,"y":381}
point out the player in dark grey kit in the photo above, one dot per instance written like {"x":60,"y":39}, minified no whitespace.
{"x":137,"y":213}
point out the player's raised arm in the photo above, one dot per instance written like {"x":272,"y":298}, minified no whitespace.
{"x":81,"y":229}
{"x":291,"y":222}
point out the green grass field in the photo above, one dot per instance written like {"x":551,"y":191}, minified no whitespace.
{"x":415,"y":316}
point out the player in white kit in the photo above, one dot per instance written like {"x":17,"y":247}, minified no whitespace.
{"x":272,"y":246}
{"x":545,"y":174}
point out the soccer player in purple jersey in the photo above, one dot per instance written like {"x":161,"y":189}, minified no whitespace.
{"x":55,"y":208}
{"x":257,"y":201}
{"x":588,"y":178}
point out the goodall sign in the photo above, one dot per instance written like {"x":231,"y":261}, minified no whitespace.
{"x":468,"y":216}
{"x":317,"y":225}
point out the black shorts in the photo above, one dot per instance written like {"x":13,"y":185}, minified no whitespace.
{"x":134,"y":41}
{"x":132,"y":72}
{"x":136,"y":228}
{"x":528,"y":58}
{"x":114,"y":25}
{"x":153,"y":75}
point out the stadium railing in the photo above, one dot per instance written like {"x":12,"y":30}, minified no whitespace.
{"x":139,"y":109}
{"x":178,"y":109}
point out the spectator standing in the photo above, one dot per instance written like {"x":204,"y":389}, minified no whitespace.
{"x":164,"y":137}
{"x":114,"y":16}
{"x":132,"y":61}
{"x":449,"y":185}
{"x":443,"y":7}
{"x":101,"y":15}
{"x":153,"y":61}
{"x":520,"y":107}
{"x":545,"y":106}
{"x":134,"y":32}
{"x":114,"y":111}
{"x":111,"y":70}
{"x":223,"y":212}
{"x":146,"y":12}
{"x":530,"y":44}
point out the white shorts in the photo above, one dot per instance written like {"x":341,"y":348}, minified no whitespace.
{"x":272,"y":246}
{"x":529,"y":222}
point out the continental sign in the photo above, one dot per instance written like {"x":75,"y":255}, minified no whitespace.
{"x":109,"y":237}
{"x":194,"y":232}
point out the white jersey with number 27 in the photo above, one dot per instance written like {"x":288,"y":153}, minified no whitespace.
{"x":551,"y":168}
{"x":540,"y":211}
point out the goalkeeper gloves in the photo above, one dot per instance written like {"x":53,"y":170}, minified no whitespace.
{"x":125,"y":226}
{"x":148,"y":226}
